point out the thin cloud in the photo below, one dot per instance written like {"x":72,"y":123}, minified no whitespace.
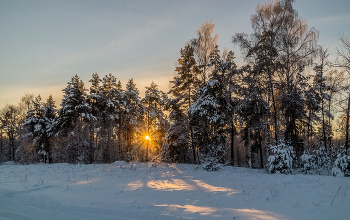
{"x":332,"y":19}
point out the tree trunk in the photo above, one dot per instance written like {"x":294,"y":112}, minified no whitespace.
{"x":261,"y":151}
{"x":189,"y":117}
{"x":193,"y":148}
{"x":329,"y":122}
{"x":13,"y":147}
{"x":147,"y":150}
{"x":91,"y":144}
{"x":232,"y":143}
{"x":324,"y":129}
{"x":323,"y":121}
{"x":274,"y":108}
{"x":120,"y":137}
{"x":249,"y":150}
{"x":347,"y":126}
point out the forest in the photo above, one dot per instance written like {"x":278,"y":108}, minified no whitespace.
{"x":286,"y":107}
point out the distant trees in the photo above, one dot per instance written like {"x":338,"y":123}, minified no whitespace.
{"x":10,"y":124}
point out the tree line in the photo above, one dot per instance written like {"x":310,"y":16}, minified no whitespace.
{"x":288,"y":96}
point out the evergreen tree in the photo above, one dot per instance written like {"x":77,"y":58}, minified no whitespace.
{"x":70,"y":122}
{"x":176,"y":146}
{"x":109,"y":116}
{"x":184,"y":90}
{"x":94,"y":100}
{"x":252,"y":109}
{"x":154,"y":116}
{"x":119,"y":102}
{"x":209,"y":115}
{"x":133,"y":113}
{"x":38,"y":126}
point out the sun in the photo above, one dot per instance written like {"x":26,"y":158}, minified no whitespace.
{"x":148,"y":138}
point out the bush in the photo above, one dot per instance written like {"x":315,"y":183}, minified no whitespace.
{"x":281,"y":159}
{"x":342,"y":164}
{"x":212,"y":159}
{"x":309,"y":161}
{"x":319,"y":160}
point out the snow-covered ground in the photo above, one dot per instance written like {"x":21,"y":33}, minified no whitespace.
{"x":166,"y":191}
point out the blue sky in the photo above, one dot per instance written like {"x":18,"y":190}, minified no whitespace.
{"x":44,"y":43}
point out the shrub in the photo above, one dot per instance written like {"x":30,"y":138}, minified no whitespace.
{"x":342,"y":164}
{"x":281,"y":159}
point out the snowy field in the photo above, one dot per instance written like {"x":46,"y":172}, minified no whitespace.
{"x":166,"y":191}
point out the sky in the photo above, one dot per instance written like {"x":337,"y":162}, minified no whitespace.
{"x":45,"y":43}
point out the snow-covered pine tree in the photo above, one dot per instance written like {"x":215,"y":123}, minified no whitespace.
{"x":38,"y":126}
{"x":281,"y":159}
{"x":233,"y":80}
{"x":318,"y":160}
{"x":342,"y":163}
{"x":154,"y":117}
{"x":253,"y":110}
{"x":209,"y":116}
{"x":50,"y":114}
{"x":34,"y":125}
{"x":119,"y":103}
{"x":184,"y":90}
{"x":133,"y":114}
{"x":70,"y":122}
{"x":109,"y":117}
{"x":94,"y":99}
{"x":312,"y":108}
{"x":177,"y":140}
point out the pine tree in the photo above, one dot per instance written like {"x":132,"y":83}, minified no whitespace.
{"x":49,"y":116}
{"x":70,"y":122}
{"x":281,"y":160}
{"x":38,"y":126}
{"x":109,"y":116}
{"x":119,"y":102}
{"x":252,"y":109}
{"x":94,"y":100}
{"x":133,"y":114}
{"x":210,"y":115}
{"x":184,"y":89}
{"x":177,"y":140}
{"x":154,"y":116}
{"x":233,"y":93}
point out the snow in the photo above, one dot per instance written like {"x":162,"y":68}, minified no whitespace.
{"x":166,"y":191}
